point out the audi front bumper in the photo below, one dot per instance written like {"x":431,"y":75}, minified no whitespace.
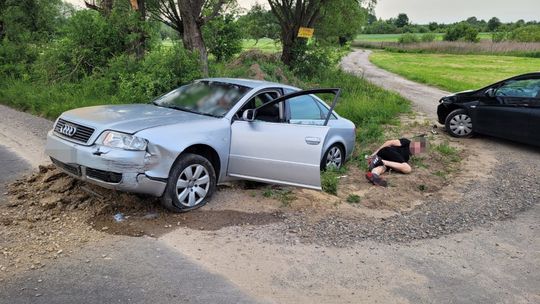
{"x":107,"y":167}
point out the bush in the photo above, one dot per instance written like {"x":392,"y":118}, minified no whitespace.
{"x":161,"y":70}
{"x":329,"y":181}
{"x":223,"y":37}
{"x":315,"y":59}
{"x":461,"y":31}
{"x":529,"y":33}
{"x":428,"y":37}
{"x":89,"y":41}
{"x":15,"y":59}
{"x":408,"y":38}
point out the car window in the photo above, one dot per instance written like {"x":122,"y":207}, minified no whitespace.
{"x":257,"y":101}
{"x":324,"y":110}
{"x":304,"y":107}
{"x":525,"y":88}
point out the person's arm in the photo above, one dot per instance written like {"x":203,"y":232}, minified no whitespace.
{"x":388,"y":143}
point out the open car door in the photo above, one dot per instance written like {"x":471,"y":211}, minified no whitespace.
{"x":270,"y":149}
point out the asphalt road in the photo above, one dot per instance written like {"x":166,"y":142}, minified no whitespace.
{"x":122,"y":270}
{"x":11,"y":167}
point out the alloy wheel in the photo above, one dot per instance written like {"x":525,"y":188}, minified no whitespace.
{"x":334,"y":158}
{"x":192,"y":185}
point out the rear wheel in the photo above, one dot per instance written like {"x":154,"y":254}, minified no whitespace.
{"x":191,"y":183}
{"x":459,"y":123}
{"x":333,"y":157}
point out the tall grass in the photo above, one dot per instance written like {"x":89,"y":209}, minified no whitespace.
{"x":525,"y":49}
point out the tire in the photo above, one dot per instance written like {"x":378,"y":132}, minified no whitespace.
{"x":334,"y":156}
{"x":191,"y":183}
{"x":459,"y":124}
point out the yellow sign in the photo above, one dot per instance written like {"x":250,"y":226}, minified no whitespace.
{"x":135,"y":4}
{"x":305,"y":32}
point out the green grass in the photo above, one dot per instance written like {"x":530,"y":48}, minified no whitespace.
{"x":395,"y":37}
{"x":454,"y":72}
{"x":266,"y":45}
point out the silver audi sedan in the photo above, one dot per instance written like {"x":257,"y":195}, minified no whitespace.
{"x":201,"y":134}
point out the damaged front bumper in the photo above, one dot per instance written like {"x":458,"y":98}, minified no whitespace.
{"x":107,"y":167}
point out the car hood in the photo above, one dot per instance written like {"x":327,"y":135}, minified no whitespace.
{"x":129,"y":118}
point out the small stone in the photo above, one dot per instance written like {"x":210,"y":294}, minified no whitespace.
{"x":104,"y":228}
{"x":38,"y":295}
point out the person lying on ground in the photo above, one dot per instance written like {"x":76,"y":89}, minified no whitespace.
{"x":393,"y":154}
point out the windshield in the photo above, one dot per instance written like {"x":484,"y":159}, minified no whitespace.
{"x":204,"y":97}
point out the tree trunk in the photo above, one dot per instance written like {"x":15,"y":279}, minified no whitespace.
{"x":288,"y":41}
{"x":192,"y":36}
{"x":1,"y":30}
{"x":140,"y":43}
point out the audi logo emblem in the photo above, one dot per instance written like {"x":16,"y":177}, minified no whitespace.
{"x":68,"y":130}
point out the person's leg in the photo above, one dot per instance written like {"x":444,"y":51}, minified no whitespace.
{"x":401,"y":167}
{"x":379,"y":170}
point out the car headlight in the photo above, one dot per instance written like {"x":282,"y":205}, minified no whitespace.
{"x":123,"y":141}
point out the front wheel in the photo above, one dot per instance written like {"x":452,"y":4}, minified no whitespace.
{"x":459,"y":123}
{"x":191,"y":183}
{"x":333,"y":157}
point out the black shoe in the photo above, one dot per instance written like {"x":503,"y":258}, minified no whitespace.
{"x":375,"y":162}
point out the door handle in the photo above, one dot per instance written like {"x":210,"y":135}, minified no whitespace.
{"x":313,"y":140}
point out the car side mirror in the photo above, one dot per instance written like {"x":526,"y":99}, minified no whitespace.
{"x":490,"y":92}
{"x":248,"y":115}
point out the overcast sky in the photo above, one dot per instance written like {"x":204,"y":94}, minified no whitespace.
{"x":443,"y":11}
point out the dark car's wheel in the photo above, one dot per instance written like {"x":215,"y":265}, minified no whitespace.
{"x":459,"y":124}
{"x":191,"y":183}
{"x":333,"y":157}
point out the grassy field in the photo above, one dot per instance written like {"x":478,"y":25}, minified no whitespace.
{"x":265,"y":45}
{"x":395,"y":37}
{"x":454,"y":72}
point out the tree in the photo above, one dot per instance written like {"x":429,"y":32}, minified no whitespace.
{"x":402,"y":20}
{"x":259,"y":23}
{"x":103,"y":6}
{"x":189,"y":16}
{"x":340,"y":21}
{"x":462,"y":30}
{"x":493,"y":24}
{"x":223,"y":37}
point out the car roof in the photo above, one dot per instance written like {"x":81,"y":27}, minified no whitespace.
{"x":250,"y":83}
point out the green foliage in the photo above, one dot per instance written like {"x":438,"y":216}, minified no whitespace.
{"x":89,"y":41}
{"x":408,"y":38}
{"x":30,"y":20}
{"x":402,"y":20}
{"x":285,"y":195}
{"x":160,"y":71}
{"x":353,"y":199}
{"x":223,"y":37}
{"x":315,"y":59}
{"x":15,"y":59}
{"x":329,"y":181}
{"x":493,"y":24}
{"x":341,"y":21}
{"x":259,"y":23}
{"x":462,"y":31}
{"x":428,"y":37}
{"x":529,"y":33}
